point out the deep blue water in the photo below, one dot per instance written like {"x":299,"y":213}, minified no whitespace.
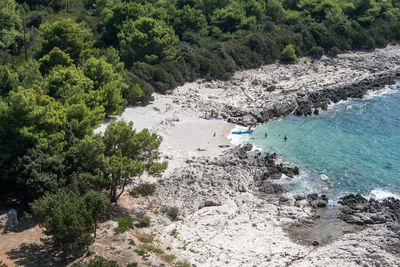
{"x":353,"y":147}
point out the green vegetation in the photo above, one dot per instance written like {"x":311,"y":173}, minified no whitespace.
{"x":183,"y":264}
{"x":142,"y":253}
{"x":316,"y":52}
{"x":151,"y":248}
{"x":145,"y":189}
{"x":289,"y":55}
{"x":172,"y":213}
{"x":98,"y":261}
{"x":144,"y":238}
{"x":168,"y":258}
{"x":124,"y":224}
{"x":144,"y":221}
{"x":64,"y":68}
{"x":70,"y":218}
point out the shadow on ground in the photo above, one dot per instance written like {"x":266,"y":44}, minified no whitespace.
{"x":23,"y":224}
{"x":33,"y":255}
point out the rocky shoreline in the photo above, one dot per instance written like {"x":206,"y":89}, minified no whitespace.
{"x":225,"y":199}
{"x":306,"y":88}
{"x":222,"y":205}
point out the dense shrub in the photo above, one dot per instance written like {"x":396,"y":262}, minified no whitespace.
{"x":172,"y":213}
{"x":288,"y":55}
{"x":333,"y":51}
{"x":143,"y":220}
{"x":316,"y":52}
{"x":124,"y":224}
{"x":145,"y":189}
{"x":98,"y":261}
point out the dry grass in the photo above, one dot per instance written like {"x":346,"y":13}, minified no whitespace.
{"x":145,"y":238}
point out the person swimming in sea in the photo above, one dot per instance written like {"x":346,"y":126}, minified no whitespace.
{"x":285,"y":138}
{"x":265,"y":135}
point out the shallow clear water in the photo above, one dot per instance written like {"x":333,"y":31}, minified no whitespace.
{"x":354,"y":146}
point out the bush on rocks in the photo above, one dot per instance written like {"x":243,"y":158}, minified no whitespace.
{"x":173,"y":213}
{"x":124,"y":224}
{"x":288,"y":55}
{"x":143,"y":220}
{"x":316,"y":52}
{"x":145,"y":189}
{"x":98,"y":261}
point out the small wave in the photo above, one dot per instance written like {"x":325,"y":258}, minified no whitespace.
{"x":381,"y":194}
{"x":324,"y":177}
{"x":333,"y":106}
{"x":237,"y":139}
{"x":388,"y":89}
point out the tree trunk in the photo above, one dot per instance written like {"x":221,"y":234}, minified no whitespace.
{"x":113,"y":195}
{"x":95,"y":227}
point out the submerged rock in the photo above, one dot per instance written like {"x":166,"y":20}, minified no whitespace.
{"x":315,"y":201}
{"x":272,"y":188}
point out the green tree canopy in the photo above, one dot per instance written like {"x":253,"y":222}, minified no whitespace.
{"x":39,"y":173}
{"x":111,"y":95}
{"x":69,"y":218}
{"x":230,"y":18}
{"x":56,"y":57}
{"x":110,"y":83}
{"x":29,"y":74}
{"x":113,"y":18}
{"x":69,"y":85}
{"x":74,"y":90}
{"x":275,"y":10}
{"x":316,"y":9}
{"x":70,"y":37}
{"x":189,"y":19}
{"x":99,"y":71}
{"x":119,"y":156}
{"x":289,"y":55}
{"x":7,"y":80}
{"x":10,"y":25}
{"x":147,"y":39}
{"x":29,"y":119}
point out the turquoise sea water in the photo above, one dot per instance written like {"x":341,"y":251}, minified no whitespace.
{"x":353,"y":147}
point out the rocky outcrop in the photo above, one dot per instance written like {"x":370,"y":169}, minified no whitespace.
{"x":204,"y":182}
{"x":358,"y":210}
{"x":8,"y":220}
{"x":312,"y":200}
{"x":312,"y":102}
